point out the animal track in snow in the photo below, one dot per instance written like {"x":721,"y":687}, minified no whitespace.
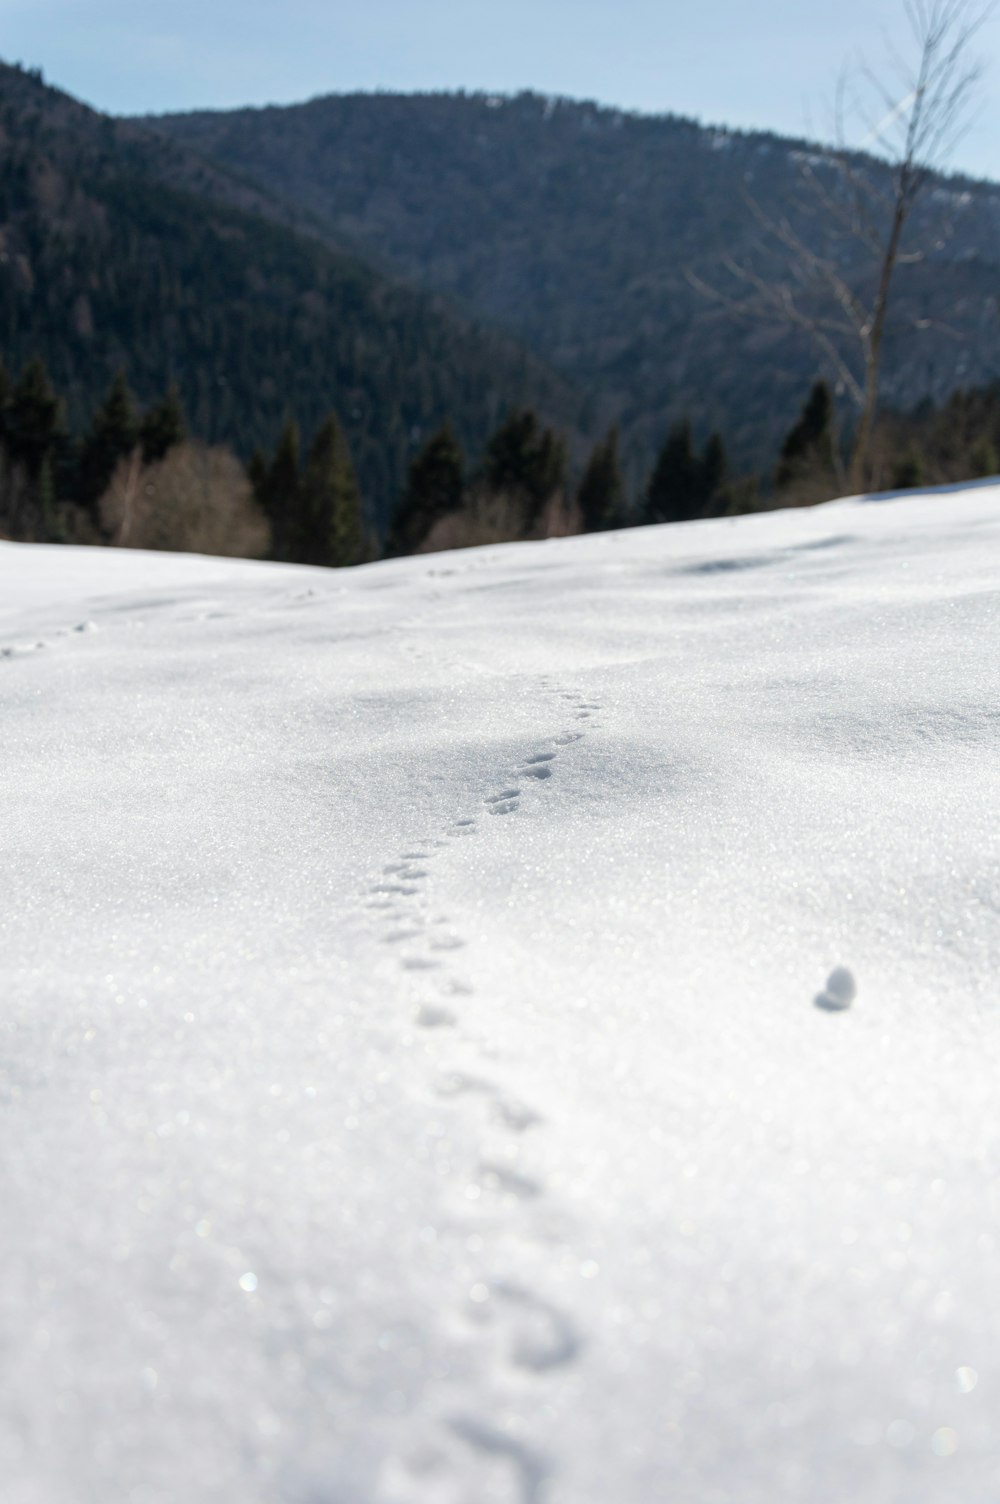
{"x":447,"y":942}
{"x":530,"y":1468}
{"x":434,"y":1016}
{"x":509,"y":1112}
{"x":21,"y":649}
{"x":539,"y":1337}
{"x":516,"y":1115}
{"x":503,"y":805}
{"x":506,"y":1182}
{"x":523,"y":1330}
{"x":399,"y":937}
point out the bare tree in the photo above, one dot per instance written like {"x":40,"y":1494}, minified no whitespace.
{"x":195,"y":500}
{"x":912,"y":116}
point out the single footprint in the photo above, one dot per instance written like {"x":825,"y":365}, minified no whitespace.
{"x":447,"y":942}
{"x":506,"y":1182}
{"x":530,"y":1468}
{"x":457,"y":1083}
{"x":506,"y":808}
{"x":419,"y":963}
{"x":433,"y":1016}
{"x":540,"y":1337}
{"x":499,"y":798}
{"x":516,"y":1115}
{"x":566,"y":737}
{"x":398,"y":937}
{"x":538,"y":770}
{"x":539,"y":757}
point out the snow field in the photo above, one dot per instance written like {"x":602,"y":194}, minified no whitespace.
{"x":412,"y":1082}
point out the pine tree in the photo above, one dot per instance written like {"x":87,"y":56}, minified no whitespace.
{"x":526,"y":461}
{"x":330,"y":507}
{"x":114,"y":433}
{"x":809,"y":448}
{"x":34,"y":443}
{"x":162,"y":427}
{"x":279,"y":496}
{"x":5,"y":393}
{"x":714,"y":475}
{"x":601,"y":494}
{"x":983,"y":460}
{"x":551,"y":463}
{"x":434,"y":489}
{"x":909,"y":470}
{"x":34,"y":423}
{"x":257,"y":473}
{"x":675,"y":492}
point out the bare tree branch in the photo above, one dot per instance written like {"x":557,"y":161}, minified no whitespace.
{"x":912,"y":116}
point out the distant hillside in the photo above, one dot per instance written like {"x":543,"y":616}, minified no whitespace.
{"x":575,"y":227}
{"x":119,"y":248}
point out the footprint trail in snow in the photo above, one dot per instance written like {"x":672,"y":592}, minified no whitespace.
{"x":519,"y":1330}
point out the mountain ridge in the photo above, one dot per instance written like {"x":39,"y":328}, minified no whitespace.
{"x":574,"y":226}
{"x":121,"y":248}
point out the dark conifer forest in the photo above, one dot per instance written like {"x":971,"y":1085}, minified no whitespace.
{"x":322,"y":334}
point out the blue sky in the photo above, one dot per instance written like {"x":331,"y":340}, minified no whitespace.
{"x":768,"y":63}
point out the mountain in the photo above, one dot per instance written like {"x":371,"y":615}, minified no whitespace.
{"x":576,"y":228}
{"x":121,"y":248}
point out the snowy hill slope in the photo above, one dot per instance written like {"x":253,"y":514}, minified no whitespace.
{"x":411,"y":1088}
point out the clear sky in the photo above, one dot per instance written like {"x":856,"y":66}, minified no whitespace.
{"x":767,"y":63}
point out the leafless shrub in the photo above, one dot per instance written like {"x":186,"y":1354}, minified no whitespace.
{"x":196,"y":499}
{"x":490,"y":516}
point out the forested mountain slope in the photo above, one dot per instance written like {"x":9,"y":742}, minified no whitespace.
{"x":118,"y":248}
{"x":576,"y":227}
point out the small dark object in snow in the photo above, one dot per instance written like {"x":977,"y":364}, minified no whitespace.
{"x":839,"y":993}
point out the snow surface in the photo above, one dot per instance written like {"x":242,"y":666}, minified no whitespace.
{"x":413,"y":1089}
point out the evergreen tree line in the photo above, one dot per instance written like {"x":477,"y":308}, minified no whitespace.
{"x":927,"y":446}
{"x":52,"y":485}
{"x":137,"y":479}
{"x":522,"y":487}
